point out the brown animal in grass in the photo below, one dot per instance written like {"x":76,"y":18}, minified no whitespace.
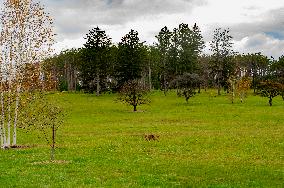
{"x":150,"y":137}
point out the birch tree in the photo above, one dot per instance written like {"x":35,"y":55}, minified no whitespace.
{"x":243,"y":85}
{"x":26,"y":37}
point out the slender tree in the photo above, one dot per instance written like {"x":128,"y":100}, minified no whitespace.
{"x":163,"y":45}
{"x":243,"y":85}
{"x":232,"y":87}
{"x":65,"y":68}
{"x":221,"y":47}
{"x":26,"y":37}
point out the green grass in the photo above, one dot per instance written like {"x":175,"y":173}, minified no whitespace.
{"x":208,"y":142}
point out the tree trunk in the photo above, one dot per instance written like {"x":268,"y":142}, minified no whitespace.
{"x":9,"y":117}
{"x":165,"y":85}
{"x":219,"y":88}
{"x":242,"y":96}
{"x":3,"y":136}
{"x":70,"y":77}
{"x":253,"y":82}
{"x":16,"y":117}
{"x":150,"y":77}
{"x":233,"y":91}
{"x":66,"y":75}
{"x":135,"y":102}
{"x":75,"y":79}
{"x":98,"y":84}
{"x":270,"y":101}
{"x":164,"y":78}
{"x":72,"y":72}
{"x":52,"y":153}
{"x":218,"y":85}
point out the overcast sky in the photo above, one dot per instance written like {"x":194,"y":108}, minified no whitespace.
{"x":256,"y":25}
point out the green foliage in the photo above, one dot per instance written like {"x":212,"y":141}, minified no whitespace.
{"x":163,"y":46}
{"x":277,"y":72}
{"x":95,"y":66}
{"x":221,"y":62}
{"x":270,"y":90}
{"x":186,"y":84}
{"x":257,"y":66}
{"x":63,"y":85}
{"x":179,"y":51}
{"x":134,"y":93}
{"x":190,"y":45}
{"x":131,"y":58}
{"x":41,"y":114}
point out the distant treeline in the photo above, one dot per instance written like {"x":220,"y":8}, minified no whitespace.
{"x":102,"y":66}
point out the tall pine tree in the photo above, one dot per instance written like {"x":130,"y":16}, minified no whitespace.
{"x":130,"y":58}
{"x":95,"y":64}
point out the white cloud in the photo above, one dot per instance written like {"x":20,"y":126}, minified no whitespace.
{"x":68,"y":44}
{"x":261,"y":43}
{"x":256,"y":25}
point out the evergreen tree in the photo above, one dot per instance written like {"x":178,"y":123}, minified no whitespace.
{"x":163,"y":45}
{"x":190,"y":46}
{"x":95,"y":65}
{"x":130,"y":58}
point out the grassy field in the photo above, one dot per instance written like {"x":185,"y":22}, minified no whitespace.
{"x":208,"y":142}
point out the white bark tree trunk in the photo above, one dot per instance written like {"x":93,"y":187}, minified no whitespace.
{"x":16,"y":117}
{"x":26,"y":38}
{"x":3,"y":136}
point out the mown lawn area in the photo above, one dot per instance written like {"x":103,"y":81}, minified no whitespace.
{"x":208,"y":142}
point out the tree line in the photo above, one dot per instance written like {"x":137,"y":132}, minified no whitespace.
{"x":102,"y":66}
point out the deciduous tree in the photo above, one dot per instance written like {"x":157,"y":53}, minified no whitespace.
{"x":26,"y":37}
{"x":270,"y":90}
{"x":243,"y":86}
{"x":221,"y":47}
{"x":134,"y":93}
{"x":187,"y":84}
